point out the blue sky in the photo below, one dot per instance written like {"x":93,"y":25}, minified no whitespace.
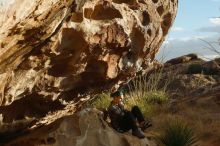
{"x":196,"y":19}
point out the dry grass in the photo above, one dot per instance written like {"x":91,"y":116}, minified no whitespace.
{"x":141,"y":85}
{"x":147,"y":93}
{"x":203,"y":116}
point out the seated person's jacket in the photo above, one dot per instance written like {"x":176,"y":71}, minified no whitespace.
{"x":116,"y":113}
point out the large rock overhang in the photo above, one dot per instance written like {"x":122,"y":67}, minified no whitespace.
{"x":57,"y":52}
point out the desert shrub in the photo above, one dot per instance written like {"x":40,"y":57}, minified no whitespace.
{"x":210,"y":71}
{"x":146,"y":92}
{"x":147,"y":103}
{"x":199,"y":69}
{"x":157,"y":97}
{"x":101,"y":101}
{"x":146,"y":108}
{"x":177,"y":133}
{"x":144,"y":86}
{"x":195,"y":69}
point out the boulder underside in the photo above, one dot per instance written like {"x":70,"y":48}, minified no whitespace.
{"x":55,"y":54}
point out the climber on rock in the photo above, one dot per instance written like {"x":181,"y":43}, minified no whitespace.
{"x":123,"y":120}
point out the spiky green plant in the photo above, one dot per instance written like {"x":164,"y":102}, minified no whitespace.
{"x":177,"y":133}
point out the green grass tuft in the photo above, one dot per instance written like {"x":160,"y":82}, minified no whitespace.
{"x":102,"y":101}
{"x":146,"y":92}
{"x":146,"y":108}
{"x":148,"y":102}
{"x":176,"y":133}
{"x":157,"y":97}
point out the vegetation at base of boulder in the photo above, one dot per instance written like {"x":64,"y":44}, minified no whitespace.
{"x":142,"y":84}
{"x":148,"y":102}
{"x":177,"y":133}
{"x":147,"y":92}
{"x":144,"y":91}
{"x":146,"y":108}
{"x":101,"y":101}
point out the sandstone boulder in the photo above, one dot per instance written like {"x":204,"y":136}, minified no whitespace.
{"x":83,"y":129}
{"x":62,"y":49}
{"x":56,"y":53}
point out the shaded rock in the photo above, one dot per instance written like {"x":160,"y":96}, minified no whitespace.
{"x":85,"y":128}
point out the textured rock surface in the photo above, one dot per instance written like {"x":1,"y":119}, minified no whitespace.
{"x":83,"y":129}
{"x":54,"y":53}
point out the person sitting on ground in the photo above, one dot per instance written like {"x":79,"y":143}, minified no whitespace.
{"x":123,"y":120}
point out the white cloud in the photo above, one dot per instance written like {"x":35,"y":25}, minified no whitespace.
{"x":175,"y":29}
{"x":213,"y":29}
{"x":208,"y":57}
{"x":184,"y":39}
{"x":174,"y":47}
{"x":215,"y":21}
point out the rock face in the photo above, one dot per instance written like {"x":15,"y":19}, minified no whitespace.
{"x":192,"y":76}
{"x":54,"y":53}
{"x":83,"y":129}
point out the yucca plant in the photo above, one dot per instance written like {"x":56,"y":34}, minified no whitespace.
{"x":177,"y":133}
